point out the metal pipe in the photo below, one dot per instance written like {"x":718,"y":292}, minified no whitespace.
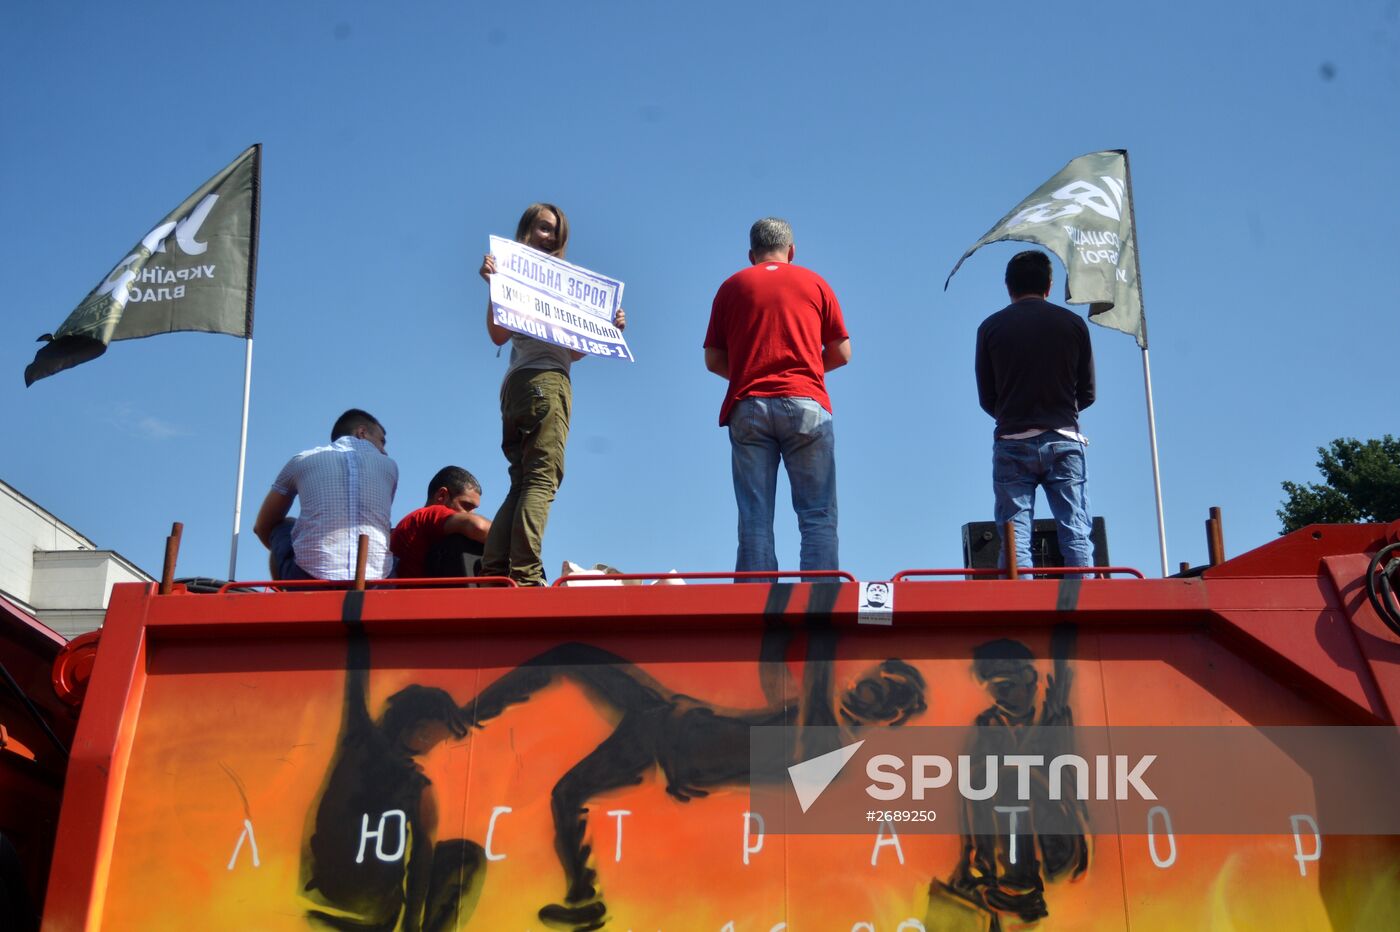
{"x":581,"y":581}
{"x":1046,"y":571}
{"x":1219,"y":540}
{"x":1146,"y":366}
{"x":361,"y":561}
{"x":172,"y":552}
{"x":242,"y":455}
{"x":1215,"y":549}
{"x":1008,"y":543}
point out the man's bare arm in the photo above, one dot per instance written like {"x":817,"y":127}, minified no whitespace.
{"x":468,"y":525}
{"x":717,"y":361}
{"x":836,"y":355}
{"x":273,"y":511}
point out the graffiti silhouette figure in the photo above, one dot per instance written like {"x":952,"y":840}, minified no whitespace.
{"x":696,"y":745}
{"x":370,"y":862}
{"x":997,"y":872}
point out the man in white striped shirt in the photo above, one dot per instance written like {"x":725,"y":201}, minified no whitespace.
{"x":346,"y":489}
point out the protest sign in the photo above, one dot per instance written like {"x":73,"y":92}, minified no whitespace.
{"x":549,"y":299}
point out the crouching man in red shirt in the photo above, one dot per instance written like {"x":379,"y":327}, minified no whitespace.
{"x":445,"y":536}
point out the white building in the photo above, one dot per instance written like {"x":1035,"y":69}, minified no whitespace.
{"x":53,"y":572}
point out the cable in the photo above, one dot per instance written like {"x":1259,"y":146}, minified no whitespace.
{"x":33,"y":710}
{"x":201,"y":584}
{"x":207,"y":585}
{"x":1379,"y":587}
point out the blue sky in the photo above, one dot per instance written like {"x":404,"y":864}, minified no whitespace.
{"x":1264,"y":139}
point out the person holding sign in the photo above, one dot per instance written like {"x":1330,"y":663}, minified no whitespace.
{"x":536,"y":400}
{"x":775,"y":331}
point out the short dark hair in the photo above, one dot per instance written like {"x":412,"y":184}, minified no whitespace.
{"x":346,"y":424}
{"x":1028,"y":273}
{"x":453,"y":478}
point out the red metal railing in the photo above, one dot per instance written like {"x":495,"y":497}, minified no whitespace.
{"x":903,"y":575}
{"x":320,"y":584}
{"x":582,"y":580}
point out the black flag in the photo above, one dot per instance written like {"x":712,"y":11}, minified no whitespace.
{"x":195,"y":270}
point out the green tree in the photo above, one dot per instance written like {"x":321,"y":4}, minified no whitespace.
{"x":1362,"y":483}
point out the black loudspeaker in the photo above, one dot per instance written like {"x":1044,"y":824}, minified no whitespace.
{"x":982,"y":547}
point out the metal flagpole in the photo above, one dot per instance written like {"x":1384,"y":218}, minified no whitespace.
{"x":1156,"y":471}
{"x":253,"y":229}
{"x":1146,"y":368}
{"x":242,"y":458}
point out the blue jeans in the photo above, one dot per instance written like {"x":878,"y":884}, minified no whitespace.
{"x":797,"y":430}
{"x":1056,"y":464}
{"x":283,"y":562}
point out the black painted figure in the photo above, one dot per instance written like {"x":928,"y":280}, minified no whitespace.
{"x":697,"y":746}
{"x":988,"y":874}
{"x":370,"y":862}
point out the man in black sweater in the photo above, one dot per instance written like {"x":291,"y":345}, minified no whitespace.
{"x":1035,"y":373}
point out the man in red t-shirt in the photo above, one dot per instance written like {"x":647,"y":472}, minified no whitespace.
{"x":775,"y":331}
{"x":445,"y":536}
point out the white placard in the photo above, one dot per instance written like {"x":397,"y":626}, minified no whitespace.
{"x":549,"y":299}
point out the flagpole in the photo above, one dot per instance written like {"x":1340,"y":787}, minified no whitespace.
{"x":1156,"y":470}
{"x":254,"y":224}
{"x":242,"y":459}
{"x":1146,"y":367}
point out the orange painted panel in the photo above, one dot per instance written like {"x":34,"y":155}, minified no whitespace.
{"x":316,"y":772}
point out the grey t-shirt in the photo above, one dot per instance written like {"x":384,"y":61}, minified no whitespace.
{"x":529,"y":353}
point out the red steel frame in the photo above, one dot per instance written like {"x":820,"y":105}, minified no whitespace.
{"x":1296,"y":608}
{"x":31,"y":767}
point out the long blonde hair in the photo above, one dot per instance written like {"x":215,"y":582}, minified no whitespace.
{"x":527,"y":220}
